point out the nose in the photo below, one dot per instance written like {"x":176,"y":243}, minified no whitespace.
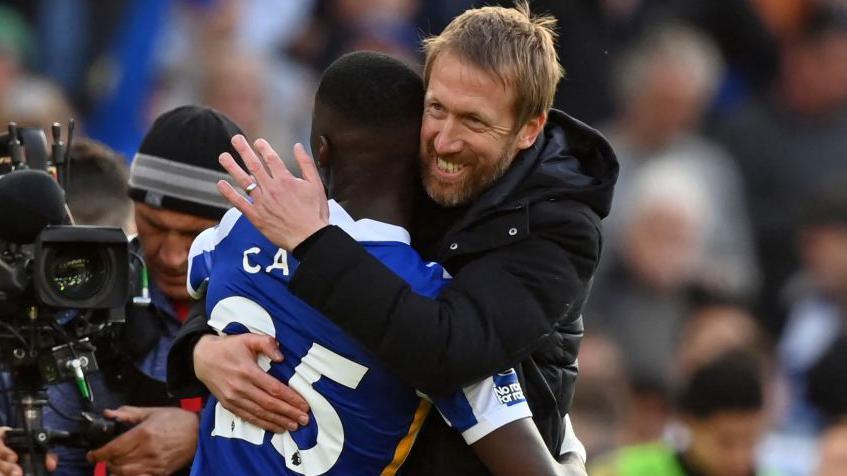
{"x":174,"y":251}
{"x":447,"y":140}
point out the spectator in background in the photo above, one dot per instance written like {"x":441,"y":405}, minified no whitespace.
{"x":715,"y":325}
{"x":246,"y":87}
{"x":610,"y":411}
{"x":97,"y":193}
{"x":637,"y":407}
{"x":201,"y":28}
{"x":233,"y":83}
{"x":33,"y":101}
{"x":722,"y":408}
{"x":817,"y":304}
{"x":214,"y":58}
{"x":786,"y":141}
{"x":664,"y":86}
{"x":639,"y":295}
{"x":342,"y":26}
{"x":270,"y":98}
{"x":152,"y":43}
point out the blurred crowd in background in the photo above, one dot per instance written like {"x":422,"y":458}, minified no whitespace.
{"x":728,"y":234}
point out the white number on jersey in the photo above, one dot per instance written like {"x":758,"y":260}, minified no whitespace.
{"x":318,"y":362}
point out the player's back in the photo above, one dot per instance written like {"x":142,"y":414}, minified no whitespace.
{"x":363,"y":419}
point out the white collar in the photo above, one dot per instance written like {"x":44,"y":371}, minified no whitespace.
{"x":366,"y":229}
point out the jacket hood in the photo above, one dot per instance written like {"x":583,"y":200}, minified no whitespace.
{"x":569,"y":160}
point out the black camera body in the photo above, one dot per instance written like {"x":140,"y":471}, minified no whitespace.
{"x":61,"y":286}
{"x":82,"y":267}
{"x":68,"y":267}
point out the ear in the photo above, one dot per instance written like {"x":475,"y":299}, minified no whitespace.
{"x":323,"y":155}
{"x":529,"y":132}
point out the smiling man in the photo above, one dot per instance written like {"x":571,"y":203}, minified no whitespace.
{"x":516,"y":194}
{"x":470,"y":134}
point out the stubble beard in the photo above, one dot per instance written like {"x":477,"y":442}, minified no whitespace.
{"x":472,"y":184}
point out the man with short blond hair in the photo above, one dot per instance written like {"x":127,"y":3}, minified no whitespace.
{"x":516,"y":195}
{"x":531,"y":57}
{"x":527,"y":70}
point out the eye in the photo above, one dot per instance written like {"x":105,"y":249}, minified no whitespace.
{"x":475,"y":122}
{"x":436,"y":107}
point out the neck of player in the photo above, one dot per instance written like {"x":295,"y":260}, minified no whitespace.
{"x":388,"y":199}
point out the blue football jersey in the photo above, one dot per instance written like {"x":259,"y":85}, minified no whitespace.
{"x":363,"y":419}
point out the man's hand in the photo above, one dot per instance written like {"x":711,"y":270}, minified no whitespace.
{"x":162,"y":441}
{"x":228,"y":368}
{"x":9,"y":459}
{"x":286,"y":209}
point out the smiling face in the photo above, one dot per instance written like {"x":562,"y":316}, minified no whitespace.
{"x":468,"y":136}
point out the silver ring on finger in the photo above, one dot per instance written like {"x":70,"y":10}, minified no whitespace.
{"x":251,"y":187}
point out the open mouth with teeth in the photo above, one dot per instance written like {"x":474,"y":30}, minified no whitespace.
{"x":448,"y":167}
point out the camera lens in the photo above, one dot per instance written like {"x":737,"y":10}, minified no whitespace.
{"x":81,"y":267}
{"x":79,"y":272}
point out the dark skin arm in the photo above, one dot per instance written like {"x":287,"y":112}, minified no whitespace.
{"x":517,"y":448}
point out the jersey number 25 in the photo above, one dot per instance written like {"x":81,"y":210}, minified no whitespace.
{"x":318,"y":362}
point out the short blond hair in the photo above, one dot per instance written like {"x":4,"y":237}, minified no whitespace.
{"x":511,"y":43}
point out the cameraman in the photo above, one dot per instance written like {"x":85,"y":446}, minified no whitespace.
{"x":173,"y":183}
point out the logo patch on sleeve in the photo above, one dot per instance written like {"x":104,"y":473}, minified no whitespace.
{"x":507,"y":388}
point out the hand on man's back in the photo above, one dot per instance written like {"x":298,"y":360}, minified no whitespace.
{"x":227,"y":366}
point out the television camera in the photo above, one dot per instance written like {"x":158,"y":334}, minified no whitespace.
{"x":62,"y":288}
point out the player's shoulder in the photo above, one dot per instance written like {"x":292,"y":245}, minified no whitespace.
{"x":425,"y":277}
{"x":390,"y":244}
{"x":209,"y":238}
